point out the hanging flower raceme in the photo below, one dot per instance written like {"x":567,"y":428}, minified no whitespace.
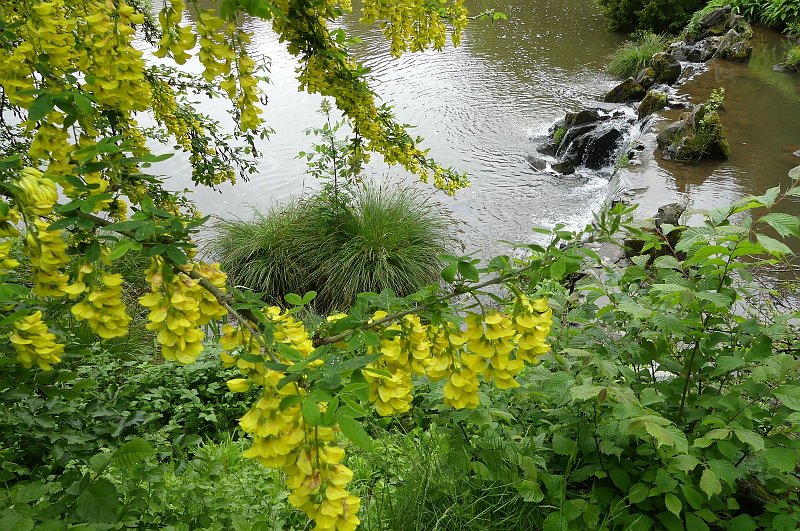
{"x":175,"y":40}
{"x":102,"y":308}
{"x":7,"y":263}
{"x":34,"y":343}
{"x":9,"y":217}
{"x":174,"y":313}
{"x":532,"y":320}
{"x":47,"y":252}
{"x":39,"y":193}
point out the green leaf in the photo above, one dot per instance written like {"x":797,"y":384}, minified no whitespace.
{"x":789,"y":395}
{"x":294,"y":299}
{"x":784,"y":224}
{"x":449,"y":272}
{"x":638,"y":493}
{"x":755,"y":440}
{"x":773,"y":246}
{"x":685,"y":462}
{"x":98,"y":503}
{"x":710,"y":484}
{"x":673,"y":503}
{"x":694,"y":498}
{"x":40,"y":107}
{"x":132,"y":453}
{"x":176,"y":255}
{"x":353,"y":430}
{"x":564,"y":445}
{"x":310,"y":411}
{"x":124,"y":226}
{"x":695,"y":523}
{"x":781,"y":459}
{"x":585,"y":392}
{"x":30,"y":492}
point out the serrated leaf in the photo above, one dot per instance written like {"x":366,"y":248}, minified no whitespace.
{"x":353,"y":430}
{"x":789,"y":395}
{"x":782,"y":459}
{"x":709,"y":483}
{"x":585,"y":392}
{"x":132,"y":453}
{"x":784,"y":224}
{"x":695,"y":523}
{"x":685,"y":462}
{"x":773,"y":246}
{"x":755,"y":440}
{"x":98,"y":503}
{"x":673,"y":503}
{"x":638,"y":493}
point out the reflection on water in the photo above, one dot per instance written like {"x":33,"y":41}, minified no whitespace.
{"x":478,"y":106}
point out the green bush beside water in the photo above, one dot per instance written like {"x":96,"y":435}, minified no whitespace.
{"x":660,"y":16}
{"x":370,"y":239}
{"x":634,"y":55}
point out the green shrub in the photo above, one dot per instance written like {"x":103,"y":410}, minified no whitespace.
{"x":634,"y":55}
{"x":371,"y":239}
{"x":660,"y":16}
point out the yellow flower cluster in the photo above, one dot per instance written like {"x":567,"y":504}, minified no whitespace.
{"x":116,"y":66}
{"x":39,"y":193}
{"x":179,"y":306}
{"x":215,"y":54}
{"x":47,"y":251}
{"x":281,"y":437}
{"x":102,"y":308}
{"x":406,"y":350}
{"x":6,"y":262}
{"x":51,"y":144}
{"x":9,"y":217}
{"x":493,"y":348}
{"x":413,"y":25}
{"x":175,"y":40}
{"x":34,"y":343}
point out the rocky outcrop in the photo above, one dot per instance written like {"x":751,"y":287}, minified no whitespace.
{"x":628,"y":90}
{"x":720,"y":33}
{"x":590,"y":137}
{"x":698,"y":134}
{"x":646,"y":77}
{"x":655,"y":100}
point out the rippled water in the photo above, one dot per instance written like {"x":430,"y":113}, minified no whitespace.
{"x":479,"y":105}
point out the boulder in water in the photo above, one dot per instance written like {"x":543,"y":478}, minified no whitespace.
{"x":646,"y":77}
{"x":564,"y":168}
{"x":536,"y":163}
{"x":628,"y":90}
{"x":655,"y":100}
{"x":666,"y":67}
{"x":698,"y":134}
{"x":734,"y":47}
{"x":601,"y":147}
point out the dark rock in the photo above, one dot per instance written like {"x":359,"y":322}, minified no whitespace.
{"x":716,"y":18}
{"x":734,"y":48}
{"x":537,"y":163}
{"x":670,"y":214}
{"x":576,"y":150}
{"x":564,"y":168}
{"x":601,"y":148}
{"x":666,"y":136}
{"x":573,"y":133}
{"x":646,"y":77}
{"x":628,"y":90}
{"x":666,"y":67}
{"x":584,"y":116}
{"x":652,"y":102}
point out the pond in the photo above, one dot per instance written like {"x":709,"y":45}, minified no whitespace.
{"x":479,"y":105}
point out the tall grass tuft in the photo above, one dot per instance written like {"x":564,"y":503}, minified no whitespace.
{"x":634,"y":55}
{"x":793,"y":57}
{"x":373,"y":239}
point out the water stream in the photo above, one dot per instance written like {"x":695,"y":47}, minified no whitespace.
{"x":479,"y":105}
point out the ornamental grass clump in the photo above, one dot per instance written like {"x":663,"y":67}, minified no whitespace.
{"x":370,"y":239}
{"x":634,"y":55}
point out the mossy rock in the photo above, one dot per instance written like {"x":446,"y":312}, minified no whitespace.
{"x":655,"y":100}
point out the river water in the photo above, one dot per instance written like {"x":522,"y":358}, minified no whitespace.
{"x":479,"y":105}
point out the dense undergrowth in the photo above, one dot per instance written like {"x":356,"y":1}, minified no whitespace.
{"x":691,"y":425}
